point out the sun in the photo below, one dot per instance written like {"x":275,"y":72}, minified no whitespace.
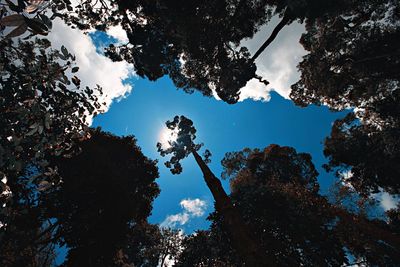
{"x":167,"y":136}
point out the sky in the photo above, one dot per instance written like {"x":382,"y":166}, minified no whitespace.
{"x":221,"y":127}
{"x":264,"y":116}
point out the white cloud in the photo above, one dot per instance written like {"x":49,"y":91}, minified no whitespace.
{"x":278,"y":62}
{"x":93,"y":67}
{"x":191,"y":208}
{"x":388,"y":201}
{"x":195,"y":207}
{"x":173,"y":220}
{"x":118,"y":33}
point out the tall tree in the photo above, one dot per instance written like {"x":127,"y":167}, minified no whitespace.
{"x":184,"y":145}
{"x":277,"y":193}
{"x":354,"y":62}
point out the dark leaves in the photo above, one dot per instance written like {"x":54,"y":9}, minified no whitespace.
{"x":182,"y":146}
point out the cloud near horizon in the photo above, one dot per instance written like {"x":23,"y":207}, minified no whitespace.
{"x":191,"y":208}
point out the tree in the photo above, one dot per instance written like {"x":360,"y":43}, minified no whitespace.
{"x":209,"y":59}
{"x":208,"y":248}
{"x":353,"y":62}
{"x":353,"y":57}
{"x":277,"y":193}
{"x":97,"y":208}
{"x":23,"y":228}
{"x":42,"y":109}
{"x":370,"y":154}
{"x":183,"y":146}
{"x":106,"y":190}
{"x":42,"y":113}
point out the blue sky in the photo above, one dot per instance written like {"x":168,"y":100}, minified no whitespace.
{"x":221,"y":127}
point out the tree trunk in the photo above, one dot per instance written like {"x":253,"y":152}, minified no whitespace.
{"x":273,"y":35}
{"x":242,"y":239}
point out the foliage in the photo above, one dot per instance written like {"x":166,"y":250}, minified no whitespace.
{"x":96,"y":203}
{"x":274,"y":190}
{"x":23,"y":228}
{"x":207,"y":248}
{"x":182,"y":146}
{"x":106,"y":189}
{"x":42,"y":113}
{"x":371,"y":154}
{"x":209,"y":59}
{"x":353,"y":57}
{"x":353,"y":61}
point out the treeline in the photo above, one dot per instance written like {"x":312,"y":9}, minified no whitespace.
{"x":64,"y":185}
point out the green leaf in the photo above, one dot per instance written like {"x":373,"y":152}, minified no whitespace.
{"x":75,"y":69}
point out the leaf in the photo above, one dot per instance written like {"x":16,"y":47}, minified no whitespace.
{"x":75,"y":69}
{"x":37,"y":26}
{"x":31,"y":8}
{"x":64,"y":51}
{"x":35,"y":125}
{"x":31,"y":132}
{"x":18,"y":31}
{"x":13,"y":20}
{"x":76,"y":80}
{"x":47,"y":121}
{"x":46,"y":21}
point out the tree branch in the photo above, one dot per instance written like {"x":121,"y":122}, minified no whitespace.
{"x":273,"y":35}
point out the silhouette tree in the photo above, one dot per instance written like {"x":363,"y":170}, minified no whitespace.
{"x":42,"y":113}
{"x":208,"y":248}
{"x":209,"y":59}
{"x":354,"y":61}
{"x":353,"y":57}
{"x":95,"y":203}
{"x":106,"y":190}
{"x":162,"y":40}
{"x":276,"y":191}
{"x":180,"y":148}
{"x":368,"y":153}
{"x":23,"y":228}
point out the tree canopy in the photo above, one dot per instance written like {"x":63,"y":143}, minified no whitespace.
{"x":275,"y":190}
